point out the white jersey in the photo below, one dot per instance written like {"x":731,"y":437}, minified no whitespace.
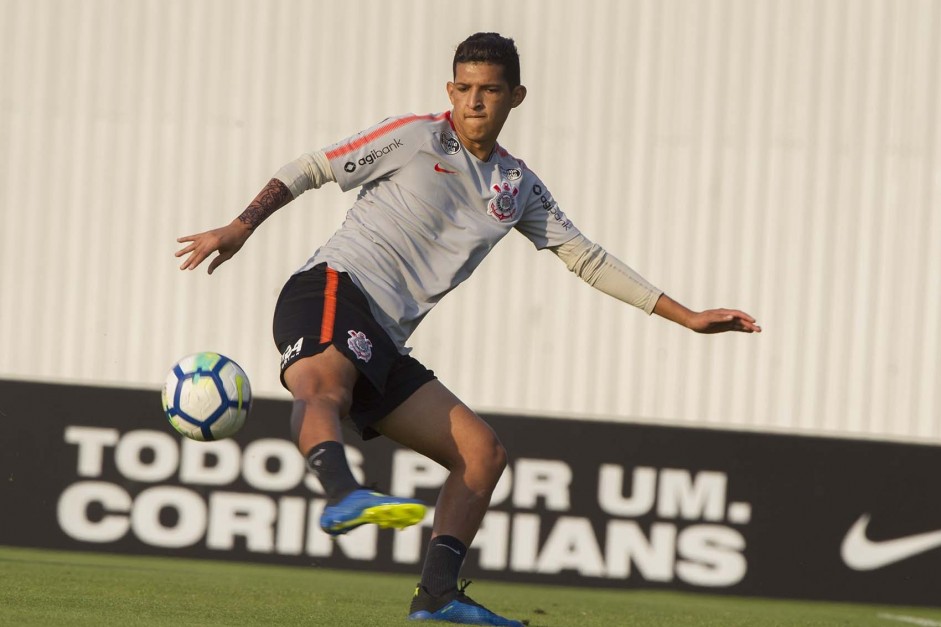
{"x":427,"y":215}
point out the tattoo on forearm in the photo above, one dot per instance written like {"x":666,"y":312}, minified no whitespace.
{"x":274,"y":196}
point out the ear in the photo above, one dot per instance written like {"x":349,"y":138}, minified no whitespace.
{"x":450,"y":88}
{"x":518,"y":95}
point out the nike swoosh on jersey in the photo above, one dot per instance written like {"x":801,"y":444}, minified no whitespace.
{"x":861,"y":553}
{"x":438,"y":168}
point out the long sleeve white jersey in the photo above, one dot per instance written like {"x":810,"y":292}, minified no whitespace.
{"x":427,"y":214}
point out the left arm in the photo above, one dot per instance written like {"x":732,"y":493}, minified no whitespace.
{"x":608,"y":274}
{"x":708,"y":321}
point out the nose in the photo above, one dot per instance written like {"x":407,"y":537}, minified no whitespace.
{"x":476,"y":100}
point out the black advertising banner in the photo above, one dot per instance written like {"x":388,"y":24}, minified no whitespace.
{"x":582,"y":502}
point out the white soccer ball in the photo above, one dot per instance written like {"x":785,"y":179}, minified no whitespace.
{"x":207,"y":396}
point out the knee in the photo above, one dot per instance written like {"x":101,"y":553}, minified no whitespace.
{"x":499,"y":459}
{"x":323,"y":382}
{"x":491,"y":461}
{"x":316,"y":415}
{"x":335,"y":399}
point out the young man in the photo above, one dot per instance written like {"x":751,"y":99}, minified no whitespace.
{"x":438,"y":192}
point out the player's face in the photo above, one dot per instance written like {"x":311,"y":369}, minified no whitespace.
{"x":481,"y":100}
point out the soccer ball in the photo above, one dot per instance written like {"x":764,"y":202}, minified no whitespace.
{"x":207,"y":396}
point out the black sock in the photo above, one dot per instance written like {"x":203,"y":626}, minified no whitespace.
{"x":328,"y":462}
{"x":442,"y":564}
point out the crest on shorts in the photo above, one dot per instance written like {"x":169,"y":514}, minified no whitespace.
{"x":503,"y":205}
{"x":449,"y":143}
{"x":360,"y":345}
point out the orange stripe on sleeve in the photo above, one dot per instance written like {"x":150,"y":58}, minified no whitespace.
{"x":385,"y":129}
{"x":329,"y":306}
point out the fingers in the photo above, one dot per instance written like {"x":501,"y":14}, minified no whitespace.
{"x":740,"y":321}
{"x":723,"y":320}
{"x":192,"y":261}
{"x":744,"y":326}
{"x":198,"y":249}
{"x":220,"y":258}
{"x":735,"y":313}
{"x":185,"y":251}
{"x":195,"y":256}
{"x":193,"y":241}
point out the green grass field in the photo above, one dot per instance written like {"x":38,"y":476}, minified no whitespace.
{"x":40,"y":587}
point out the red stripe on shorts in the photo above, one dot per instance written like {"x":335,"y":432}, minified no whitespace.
{"x":329,"y":306}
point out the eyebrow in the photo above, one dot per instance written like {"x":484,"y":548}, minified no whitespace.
{"x":466,"y":84}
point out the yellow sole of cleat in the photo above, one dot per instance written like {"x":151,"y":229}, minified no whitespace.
{"x":398,"y":516}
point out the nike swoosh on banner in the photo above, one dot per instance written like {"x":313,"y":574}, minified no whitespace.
{"x":861,"y":553}
{"x":438,"y":168}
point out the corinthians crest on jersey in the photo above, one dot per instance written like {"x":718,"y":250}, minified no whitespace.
{"x":503,"y":206}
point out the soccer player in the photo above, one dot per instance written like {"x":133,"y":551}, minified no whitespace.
{"x":437,"y":192}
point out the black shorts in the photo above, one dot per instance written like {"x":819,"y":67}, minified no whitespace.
{"x":320,"y":307}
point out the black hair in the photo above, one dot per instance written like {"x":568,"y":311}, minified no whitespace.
{"x":490,"y":48}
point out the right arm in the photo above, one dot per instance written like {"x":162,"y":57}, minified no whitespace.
{"x":228,"y":239}
{"x":307,"y":172}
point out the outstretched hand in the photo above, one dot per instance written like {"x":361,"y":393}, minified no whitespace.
{"x":708,"y":321}
{"x":226,"y":240}
{"x":722,"y":320}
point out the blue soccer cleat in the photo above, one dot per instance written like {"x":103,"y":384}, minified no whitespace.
{"x":363,"y":507}
{"x":456,"y":607}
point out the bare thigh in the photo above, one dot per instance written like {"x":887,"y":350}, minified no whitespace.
{"x":435,"y":423}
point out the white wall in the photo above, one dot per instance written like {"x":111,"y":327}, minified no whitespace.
{"x":777,"y":156}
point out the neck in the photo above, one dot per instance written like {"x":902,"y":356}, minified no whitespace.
{"x":480,"y":150}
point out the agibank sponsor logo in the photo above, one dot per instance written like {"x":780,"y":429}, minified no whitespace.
{"x":549,"y":204}
{"x":374,"y":155}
